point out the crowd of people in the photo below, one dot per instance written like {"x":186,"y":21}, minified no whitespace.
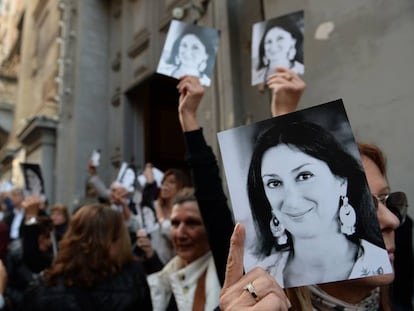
{"x":175,"y":246}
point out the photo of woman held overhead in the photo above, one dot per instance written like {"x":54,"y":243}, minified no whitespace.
{"x":189,"y":50}
{"x":312,"y":214}
{"x":33,"y":179}
{"x":277,"y":42}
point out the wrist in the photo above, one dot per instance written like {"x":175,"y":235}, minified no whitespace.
{"x":189,"y":122}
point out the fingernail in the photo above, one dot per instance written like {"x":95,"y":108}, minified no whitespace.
{"x":237,"y":228}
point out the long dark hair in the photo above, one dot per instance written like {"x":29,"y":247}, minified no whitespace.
{"x":318,"y":143}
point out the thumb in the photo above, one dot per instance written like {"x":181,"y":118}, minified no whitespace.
{"x":234,"y":268}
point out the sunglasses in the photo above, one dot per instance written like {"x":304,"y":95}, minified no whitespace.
{"x":396,"y":202}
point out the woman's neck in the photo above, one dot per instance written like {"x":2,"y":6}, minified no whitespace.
{"x":188,"y":69}
{"x":350,"y":291}
{"x":310,"y":256}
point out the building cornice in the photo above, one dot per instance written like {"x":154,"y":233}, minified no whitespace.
{"x":37,"y":129}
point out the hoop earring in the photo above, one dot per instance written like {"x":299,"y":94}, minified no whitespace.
{"x":279,"y":232}
{"x":292,"y":53}
{"x":347,"y":216}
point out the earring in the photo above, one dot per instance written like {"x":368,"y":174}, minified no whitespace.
{"x":292,"y":53}
{"x":266,"y":61}
{"x":279,"y":232}
{"x":347,"y":216}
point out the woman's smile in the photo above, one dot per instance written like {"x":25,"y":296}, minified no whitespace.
{"x":299,"y":215}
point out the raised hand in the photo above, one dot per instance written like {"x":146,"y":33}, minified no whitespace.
{"x":191,"y":92}
{"x":144,"y":243}
{"x":149,"y":175}
{"x":256,"y":290}
{"x":287,"y":89}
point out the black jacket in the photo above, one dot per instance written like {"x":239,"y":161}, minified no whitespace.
{"x":211,"y":199}
{"x":128,"y":290}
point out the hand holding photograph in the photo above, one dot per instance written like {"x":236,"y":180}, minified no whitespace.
{"x":310,"y":216}
{"x":189,"y":50}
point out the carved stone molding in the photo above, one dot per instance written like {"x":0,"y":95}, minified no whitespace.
{"x":165,"y":22}
{"x":116,"y":98}
{"x":166,"y":18}
{"x":116,"y":62}
{"x":140,"y":43}
{"x":140,"y":71}
{"x":40,"y":130}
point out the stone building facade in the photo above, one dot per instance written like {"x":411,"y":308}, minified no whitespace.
{"x":87,"y":80}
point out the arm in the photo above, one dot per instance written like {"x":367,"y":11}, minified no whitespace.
{"x":97,"y":183}
{"x":211,"y":199}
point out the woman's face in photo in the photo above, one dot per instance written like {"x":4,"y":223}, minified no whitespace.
{"x":192,"y":53}
{"x":278,"y":45}
{"x":34,"y":182}
{"x":302,"y":191}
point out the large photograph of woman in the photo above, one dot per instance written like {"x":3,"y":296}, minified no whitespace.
{"x":277,"y":42}
{"x":297,"y":183}
{"x":189,"y":50}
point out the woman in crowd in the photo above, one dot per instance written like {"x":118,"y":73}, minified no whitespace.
{"x":361,"y":294}
{"x":94,"y":268}
{"x":60,"y":218}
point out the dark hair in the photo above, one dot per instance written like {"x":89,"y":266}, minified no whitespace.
{"x":288,"y":23}
{"x":202,"y":33}
{"x":45,"y":225}
{"x":318,"y":143}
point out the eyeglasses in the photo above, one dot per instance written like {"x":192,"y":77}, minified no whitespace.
{"x":396,"y":202}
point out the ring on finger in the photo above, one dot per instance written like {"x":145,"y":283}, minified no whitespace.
{"x":250,"y":288}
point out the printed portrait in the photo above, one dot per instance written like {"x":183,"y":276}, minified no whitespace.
{"x":297,"y":183}
{"x":189,"y":50}
{"x":277,"y":42}
{"x":33,"y":179}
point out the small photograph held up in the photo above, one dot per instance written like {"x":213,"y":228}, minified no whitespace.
{"x":277,"y":42}
{"x":297,"y":184}
{"x":33,"y":179}
{"x":189,"y":50}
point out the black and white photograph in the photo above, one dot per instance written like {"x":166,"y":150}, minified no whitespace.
{"x":297,"y":184}
{"x":126,"y":176}
{"x":33,"y":179}
{"x":189,"y":50}
{"x":277,"y":42}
